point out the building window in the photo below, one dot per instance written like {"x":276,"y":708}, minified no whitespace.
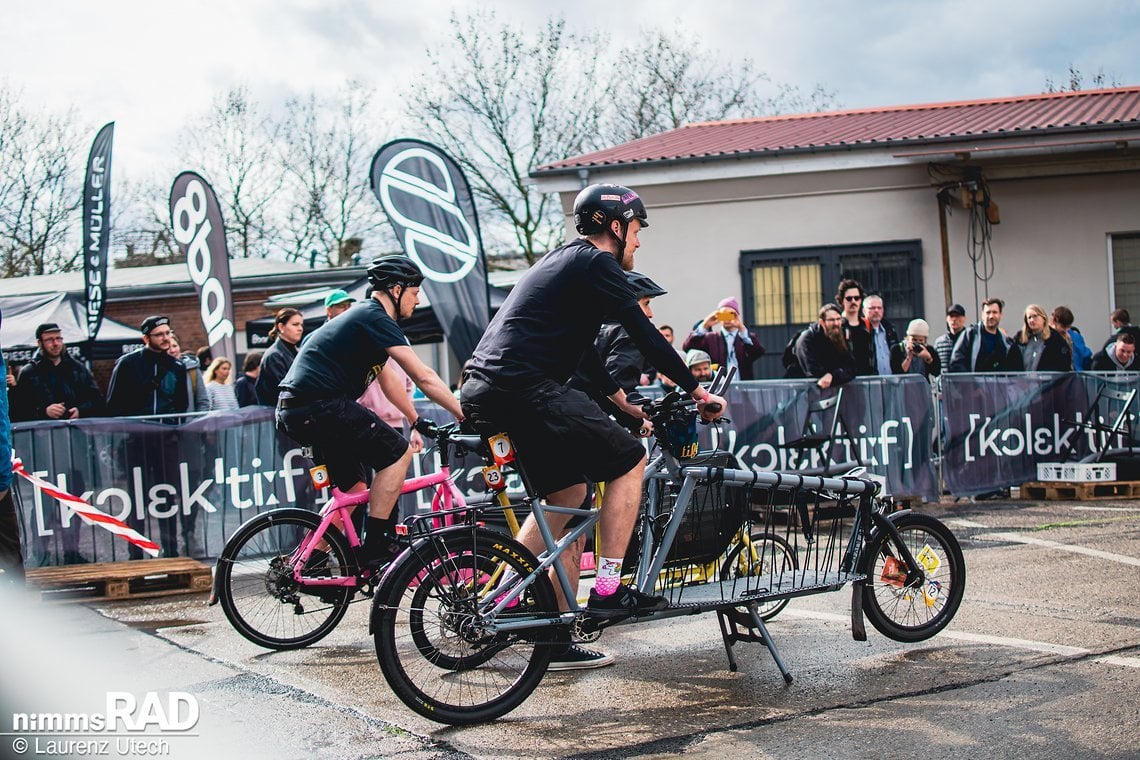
{"x":784,"y":288}
{"x":1126,"y":272}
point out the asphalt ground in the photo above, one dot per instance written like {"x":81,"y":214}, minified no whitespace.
{"x":1043,"y":659}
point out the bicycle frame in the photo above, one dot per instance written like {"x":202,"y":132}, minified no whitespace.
{"x":448,"y":500}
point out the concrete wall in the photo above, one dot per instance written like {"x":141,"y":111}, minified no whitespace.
{"x":1050,"y":247}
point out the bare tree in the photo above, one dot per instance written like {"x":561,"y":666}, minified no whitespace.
{"x":140,"y":223}
{"x":40,"y":189}
{"x":231,"y":146}
{"x":503,"y":101}
{"x":326,"y":147}
{"x":1077,"y":81}
{"x":670,"y":79}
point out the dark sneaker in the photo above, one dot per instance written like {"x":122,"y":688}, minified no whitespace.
{"x":625,"y":602}
{"x":580,"y":658}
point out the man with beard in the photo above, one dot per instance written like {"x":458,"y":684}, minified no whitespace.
{"x":822,"y":351}
{"x":54,"y":386}
{"x":984,"y":347}
{"x":516,"y":382}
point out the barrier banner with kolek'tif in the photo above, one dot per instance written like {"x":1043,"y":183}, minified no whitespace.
{"x":97,"y":227}
{"x":429,"y":204}
{"x":201,"y":234}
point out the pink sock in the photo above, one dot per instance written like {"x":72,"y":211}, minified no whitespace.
{"x":609,"y":576}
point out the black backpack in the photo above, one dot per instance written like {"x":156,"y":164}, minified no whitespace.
{"x":791,"y":363}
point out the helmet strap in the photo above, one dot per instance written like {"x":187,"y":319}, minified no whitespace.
{"x":394,"y":299}
{"x":620,"y":240}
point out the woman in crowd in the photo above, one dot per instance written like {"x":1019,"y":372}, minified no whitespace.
{"x":219,"y":379}
{"x":1042,"y":348}
{"x":288,"y":327}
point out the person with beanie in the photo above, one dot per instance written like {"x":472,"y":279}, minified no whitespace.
{"x":913,"y":355}
{"x":726,"y":340}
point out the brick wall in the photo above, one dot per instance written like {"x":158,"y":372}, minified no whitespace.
{"x":185,"y":319}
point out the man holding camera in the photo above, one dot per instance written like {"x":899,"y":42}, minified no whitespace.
{"x":53,"y":385}
{"x":913,"y":355}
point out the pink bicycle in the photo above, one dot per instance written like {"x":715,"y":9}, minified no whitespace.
{"x":286,"y":577}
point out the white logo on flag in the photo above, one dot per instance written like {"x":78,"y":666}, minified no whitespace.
{"x":417,"y":233}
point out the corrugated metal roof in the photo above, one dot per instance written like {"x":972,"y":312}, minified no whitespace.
{"x":173,"y":274}
{"x":1030,"y":115}
{"x":131,"y":277}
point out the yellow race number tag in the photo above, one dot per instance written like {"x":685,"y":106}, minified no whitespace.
{"x":929,"y":558}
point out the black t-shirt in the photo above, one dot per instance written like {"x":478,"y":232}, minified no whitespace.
{"x":345,"y":354}
{"x":552,"y":316}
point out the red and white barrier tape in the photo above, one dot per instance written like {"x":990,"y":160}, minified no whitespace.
{"x":88,"y":513}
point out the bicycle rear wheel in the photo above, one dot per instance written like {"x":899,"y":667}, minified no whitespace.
{"x":428,"y":631}
{"x":765,"y":554}
{"x":257,"y":590}
{"x":918,"y":611}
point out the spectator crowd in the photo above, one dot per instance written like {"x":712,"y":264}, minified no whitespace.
{"x":853,"y":337}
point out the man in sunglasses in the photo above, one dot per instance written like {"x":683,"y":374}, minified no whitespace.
{"x":856,"y":329}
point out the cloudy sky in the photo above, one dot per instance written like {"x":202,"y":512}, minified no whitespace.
{"x":150,"y":66}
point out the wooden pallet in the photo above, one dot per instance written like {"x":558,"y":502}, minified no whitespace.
{"x":1067,"y":491}
{"x":135,"y":579}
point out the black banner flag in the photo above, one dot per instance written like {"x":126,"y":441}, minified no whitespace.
{"x":97,"y":226}
{"x":429,"y":204}
{"x":201,"y":234}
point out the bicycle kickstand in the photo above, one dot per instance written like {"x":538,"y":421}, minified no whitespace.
{"x":768,"y":642}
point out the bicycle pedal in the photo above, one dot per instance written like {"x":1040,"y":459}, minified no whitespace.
{"x":585,"y":630}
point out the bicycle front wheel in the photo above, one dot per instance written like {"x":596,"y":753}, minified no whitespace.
{"x":257,"y":588}
{"x":429,"y":629}
{"x":918,"y":611}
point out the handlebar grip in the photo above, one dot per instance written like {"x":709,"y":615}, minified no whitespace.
{"x":714,"y":407}
{"x":426,"y":427}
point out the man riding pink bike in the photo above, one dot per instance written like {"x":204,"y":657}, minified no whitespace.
{"x":318,"y":404}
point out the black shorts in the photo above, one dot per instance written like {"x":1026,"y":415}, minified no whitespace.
{"x":561,"y":437}
{"x":346,"y":437}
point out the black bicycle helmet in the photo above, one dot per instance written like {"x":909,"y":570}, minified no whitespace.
{"x":643,"y":287}
{"x":392,"y":270}
{"x":597,"y":205}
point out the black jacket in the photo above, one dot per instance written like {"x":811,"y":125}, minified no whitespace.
{"x":276,"y":361}
{"x":1105,"y":361}
{"x":623,"y":362}
{"x":147,"y":382}
{"x":964,"y":357}
{"x":858,"y":339}
{"x":245,"y":391}
{"x":42,"y":384}
{"x":818,"y":356}
{"x":1056,"y":354}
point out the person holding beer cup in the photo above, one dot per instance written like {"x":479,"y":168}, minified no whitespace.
{"x":725,"y":338}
